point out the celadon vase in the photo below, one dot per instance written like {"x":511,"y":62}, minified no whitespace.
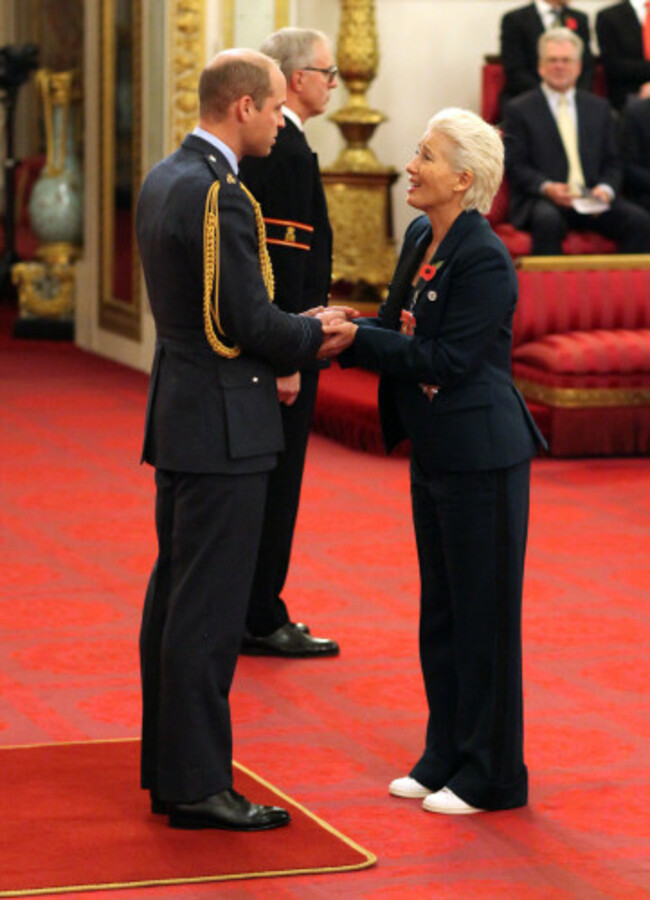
{"x":56,"y":201}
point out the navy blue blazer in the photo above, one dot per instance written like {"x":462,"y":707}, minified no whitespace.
{"x":462,"y":343}
{"x":206,"y":413}
{"x":535,"y":152}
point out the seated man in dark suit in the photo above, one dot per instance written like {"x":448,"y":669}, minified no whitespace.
{"x":561,"y":153}
{"x":635,"y":149}
{"x":625,"y":60}
{"x":522,"y":28}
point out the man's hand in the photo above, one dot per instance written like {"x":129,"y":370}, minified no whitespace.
{"x":332,"y":314}
{"x":288,"y":387}
{"x":336,"y":339}
{"x":559,"y":193}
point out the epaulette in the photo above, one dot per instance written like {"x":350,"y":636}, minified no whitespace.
{"x":285,"y":233}
{"x":212,"y":323}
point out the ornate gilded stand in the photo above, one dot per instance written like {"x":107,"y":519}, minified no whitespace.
{"x":357,"y":186}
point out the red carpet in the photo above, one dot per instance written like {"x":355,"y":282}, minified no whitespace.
{"x":77,"y":542}
{"x":74,"y":820}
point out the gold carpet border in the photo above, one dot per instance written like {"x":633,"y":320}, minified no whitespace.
{"x":370,"y":858}
{"x":575,"y":398}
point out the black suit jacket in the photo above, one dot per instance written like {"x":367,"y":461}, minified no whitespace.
{"x":621,"y":49}
{"x":520,"y":31}
{"x":288,"y":186}
{"x":206,"y":413}
{"x":635,"y":148}
{"x":535,"y":153}
{"x":462,"y":342}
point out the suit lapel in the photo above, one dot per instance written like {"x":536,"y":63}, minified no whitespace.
{"x":410,"y":259}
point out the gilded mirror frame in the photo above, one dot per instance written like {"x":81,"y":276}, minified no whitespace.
{"x":121,"y":315}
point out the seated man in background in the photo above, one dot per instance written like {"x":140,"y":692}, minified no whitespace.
{"x":635,"y":149}
{"x":522,"y":28}
{"x":624,"y":41}
{"x":562,"y":161}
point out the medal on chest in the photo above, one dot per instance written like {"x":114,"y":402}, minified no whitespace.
{"x":407,"y":322}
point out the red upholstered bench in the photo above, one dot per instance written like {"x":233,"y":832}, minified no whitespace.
{"x":581,"y":352}
{"x":519,"y":242}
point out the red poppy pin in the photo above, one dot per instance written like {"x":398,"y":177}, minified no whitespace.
{"x":427,"y":271}
{"x":571,"y":23}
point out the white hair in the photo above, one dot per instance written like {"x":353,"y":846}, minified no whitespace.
{"x":559,"y":35}
{"x":476,"y":147}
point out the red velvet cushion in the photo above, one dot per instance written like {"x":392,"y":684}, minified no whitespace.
{"x":589,"y":352}
{"x":577,"y":242}
{"x":517,"y":242}
{"x":498,"y":213}
{"x":557,"y":302}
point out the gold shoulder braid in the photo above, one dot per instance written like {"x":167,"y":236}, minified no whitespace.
{"x":211,"y":268}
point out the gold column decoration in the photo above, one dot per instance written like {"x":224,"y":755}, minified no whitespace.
{"x":187,"y":28}
{"x":357,"y":185}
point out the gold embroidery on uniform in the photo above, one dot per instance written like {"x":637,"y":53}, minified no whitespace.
{"x":230,"y":178}
{"x":290,"y":235}
{"x":211,"y":275}
{"x":265,"y":260}
{"x":211,"y":267}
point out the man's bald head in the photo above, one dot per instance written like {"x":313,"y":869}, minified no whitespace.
{"x":233,"y":74}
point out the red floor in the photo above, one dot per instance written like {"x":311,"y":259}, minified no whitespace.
{"x":76,"y":533}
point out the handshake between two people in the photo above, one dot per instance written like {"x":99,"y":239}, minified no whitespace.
{"x":338,"y":334}
{"x":338,"y":329}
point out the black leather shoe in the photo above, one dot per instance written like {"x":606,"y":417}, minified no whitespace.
{"x":228,"y":810}
{"x":288,"y":641}
{"x":158,"y":807}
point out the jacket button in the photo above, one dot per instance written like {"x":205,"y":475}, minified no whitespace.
{"x":255,"y":379}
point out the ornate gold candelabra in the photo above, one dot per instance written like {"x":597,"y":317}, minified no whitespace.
{"x":357,"y":185}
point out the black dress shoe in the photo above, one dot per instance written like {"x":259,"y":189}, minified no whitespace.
{"x":228,"y":810}
{"x":158,"y":807}
{"x":288,"y":641}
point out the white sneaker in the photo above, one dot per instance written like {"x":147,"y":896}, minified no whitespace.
{"x":445,"y":801}
{"x":408,"y":787}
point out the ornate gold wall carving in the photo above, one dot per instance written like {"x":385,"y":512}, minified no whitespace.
{"x":187,"y":59}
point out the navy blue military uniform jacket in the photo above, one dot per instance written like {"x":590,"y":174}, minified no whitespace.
{"x":207,"y":413}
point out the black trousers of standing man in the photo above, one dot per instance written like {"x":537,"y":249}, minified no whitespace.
{"x":208,"y":530}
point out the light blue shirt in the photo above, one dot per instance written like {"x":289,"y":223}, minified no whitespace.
{"x":223,"y":148}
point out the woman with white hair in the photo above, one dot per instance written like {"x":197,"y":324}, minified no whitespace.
{"x":442,"y":343}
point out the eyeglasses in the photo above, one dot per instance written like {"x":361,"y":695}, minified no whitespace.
{"x":329,"y":73}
